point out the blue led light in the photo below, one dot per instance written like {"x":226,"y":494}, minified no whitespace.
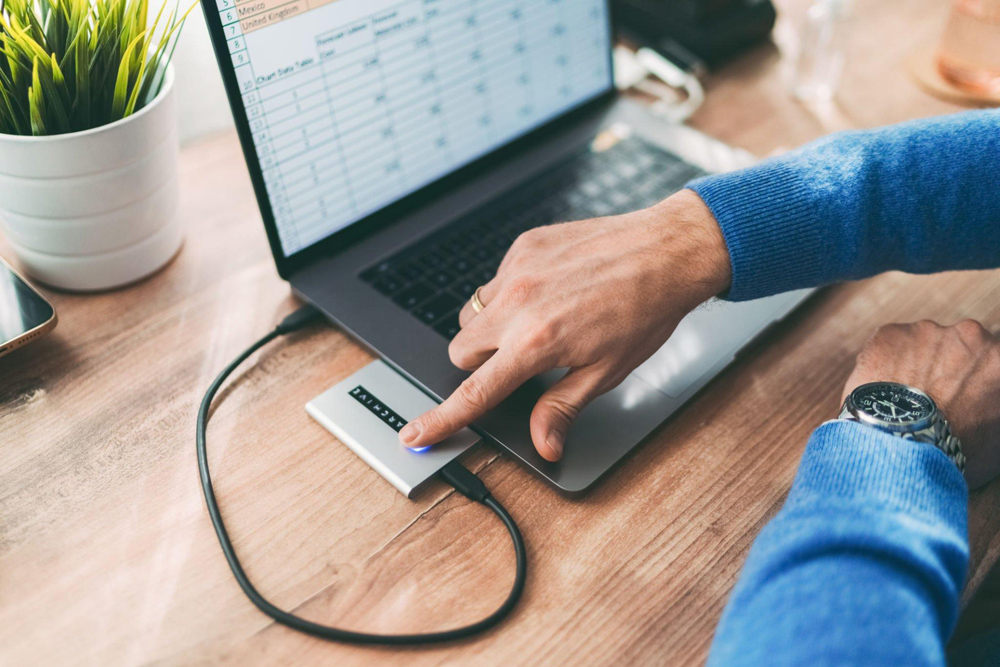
{"x":421,"y":449}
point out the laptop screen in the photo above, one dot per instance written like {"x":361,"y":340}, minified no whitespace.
{"x":354,"y":104}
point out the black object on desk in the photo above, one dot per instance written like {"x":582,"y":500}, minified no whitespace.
{"x":688,"y":31}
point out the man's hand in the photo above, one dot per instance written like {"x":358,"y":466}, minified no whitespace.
{"x":597,"y":297}
{"x":959,"y":367}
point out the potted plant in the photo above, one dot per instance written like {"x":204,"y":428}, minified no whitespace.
{"x":88,"y":141}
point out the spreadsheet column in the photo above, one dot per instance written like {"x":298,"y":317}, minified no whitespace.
{"x":505,"y":72}
{"x":586,"y":48}
{"x":455,"y":44}
{"x":545,"y":37}
{"x":413,"y":102}
{"x":256,"y":116}
{"x":351,"y":72}
{"x":304,"y":137}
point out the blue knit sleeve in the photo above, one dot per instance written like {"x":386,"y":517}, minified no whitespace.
{"x":922,"y":196}
{"x":864,"y":563}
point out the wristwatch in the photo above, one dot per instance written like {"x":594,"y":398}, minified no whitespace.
{"x":903,"y":411}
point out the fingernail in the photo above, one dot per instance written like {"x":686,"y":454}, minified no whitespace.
{"x":554,"y":441}
{"x":410,"y":432}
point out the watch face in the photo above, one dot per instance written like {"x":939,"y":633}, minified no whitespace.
{"x":892,"y":403}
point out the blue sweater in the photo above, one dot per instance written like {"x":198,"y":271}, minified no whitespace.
{"x":866,"y":560}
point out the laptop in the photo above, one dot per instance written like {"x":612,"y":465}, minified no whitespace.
{"x":398,"y":147}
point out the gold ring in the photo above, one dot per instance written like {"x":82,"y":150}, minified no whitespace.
{"x":477,"y":304}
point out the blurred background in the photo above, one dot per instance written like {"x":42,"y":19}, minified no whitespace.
{"x":202,"y":108}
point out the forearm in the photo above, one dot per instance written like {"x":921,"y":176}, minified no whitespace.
{"x":864,"y":564}
{"x":920,"y":197}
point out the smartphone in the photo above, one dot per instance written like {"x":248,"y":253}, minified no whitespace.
{"x":24,"y":313}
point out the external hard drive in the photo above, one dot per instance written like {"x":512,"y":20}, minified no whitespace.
{"x":366,"y":412}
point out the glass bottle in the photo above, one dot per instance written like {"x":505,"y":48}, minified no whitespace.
{"x":822,"y":50}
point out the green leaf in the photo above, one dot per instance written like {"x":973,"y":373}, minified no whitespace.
{"x":59,"y":80}
{"x":171,"y":38}
{"x":120,"y":98}
{"x":143,"y":19}
{"x":82,"y":102}
{"x":37,"y":111}
{"x":78,"y":34}
{"x":151,"y":83}
{"x":56,"y":29}
{"x":95,"y":34}
{"x":9,"y":113}
{"x":130,"y":107}
{"x":23,"y":41}
{"x":18,"y":102}
{"x":14,"y":60}
{"x":56,"y":118}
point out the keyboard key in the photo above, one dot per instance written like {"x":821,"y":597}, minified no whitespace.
{"x":609,"y":180}
{"x":465,"y":288}
{"x":448,"y":326}
{"x":410,"y":272}
{"x":578,"y":200}
{"x":619,"y":200}
{"x":627,"y":170}
{"x":591,"y":189}
{"x":461,"y":266}
{"x":413,"y":295}
{"x":482,"y":253}
{"x":370,"y":275}
{"x":431,"y":259}
{"x":388,"y":283}
{"x":652,"y":188}
{"x":435,"y":309}
{"x":441,"y":277}
{"x":601,"y":209}
{"x":468,"y":238}
{"x":665,"y":164}
{"x":501,"y":242}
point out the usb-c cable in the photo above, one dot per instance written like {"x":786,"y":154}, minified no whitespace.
{"x":455,"y":474}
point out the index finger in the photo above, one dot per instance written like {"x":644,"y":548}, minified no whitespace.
{"x":494,"y":381}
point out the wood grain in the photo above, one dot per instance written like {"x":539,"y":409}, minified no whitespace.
{"x":106,"y":552}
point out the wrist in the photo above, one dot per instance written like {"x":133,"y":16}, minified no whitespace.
{"x":695,"y":239}
{"x":905,"y":411}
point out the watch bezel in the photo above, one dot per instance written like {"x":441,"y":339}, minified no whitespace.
{"x":866,"y":418}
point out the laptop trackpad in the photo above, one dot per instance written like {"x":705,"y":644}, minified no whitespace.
{"x":712,"y":333}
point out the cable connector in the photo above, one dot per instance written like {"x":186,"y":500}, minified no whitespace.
{"x":465,"y":482}
{"x":300,"y":319}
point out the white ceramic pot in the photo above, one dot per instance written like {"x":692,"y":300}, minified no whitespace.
{"x":96,"y":209}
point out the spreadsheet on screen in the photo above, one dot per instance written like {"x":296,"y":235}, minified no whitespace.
{"x":353,"y":104}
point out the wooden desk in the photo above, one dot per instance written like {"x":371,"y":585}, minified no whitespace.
{"x":106,"y":552}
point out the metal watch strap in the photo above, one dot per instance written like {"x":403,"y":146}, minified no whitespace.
{"x":937,"y":434}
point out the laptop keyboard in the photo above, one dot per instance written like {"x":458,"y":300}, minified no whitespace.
{"x":434,"y":277}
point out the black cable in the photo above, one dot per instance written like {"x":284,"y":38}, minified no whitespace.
{"x":454,"y":473}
